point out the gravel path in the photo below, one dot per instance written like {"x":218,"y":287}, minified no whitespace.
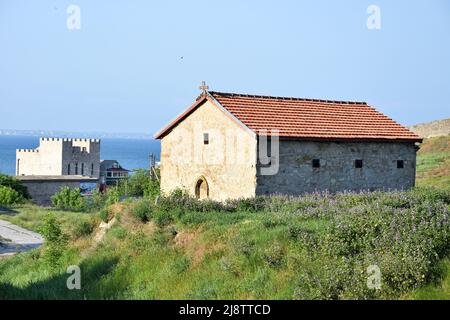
{"x":17,"y":238}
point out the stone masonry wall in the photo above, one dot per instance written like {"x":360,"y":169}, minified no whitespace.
{"x":84,"y":153}
{"x":41,"y":191}
{"x":228,"y":162}
{"x":337,"y":170}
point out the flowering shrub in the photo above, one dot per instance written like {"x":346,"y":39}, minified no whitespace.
{"x":403,"y":234}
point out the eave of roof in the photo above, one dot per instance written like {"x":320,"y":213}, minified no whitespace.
{"x":199,"y":101}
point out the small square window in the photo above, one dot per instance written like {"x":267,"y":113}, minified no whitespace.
{"x":400,"y":164}
{"x":316,"y":163}
{"x":358,"y":164}
{"x":206,"y":138}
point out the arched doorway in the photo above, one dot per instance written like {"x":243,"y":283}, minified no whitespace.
{"x":201,"y":189}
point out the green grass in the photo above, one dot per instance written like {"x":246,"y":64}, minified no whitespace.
{"x":438,"y":290}
{"x":30,"y":216}
{"x":286,"y":252}
{"x":153,"y":265}
{"x":433,"y":163}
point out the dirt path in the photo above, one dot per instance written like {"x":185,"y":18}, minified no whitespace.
{"x":17,"y":239}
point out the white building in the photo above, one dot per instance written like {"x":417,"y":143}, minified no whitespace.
{"x":58,"y":163}
{"x":58,"y":157}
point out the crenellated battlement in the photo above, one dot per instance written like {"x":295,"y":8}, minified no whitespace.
{"x":27,"y":150}
{"x":69,"y":139}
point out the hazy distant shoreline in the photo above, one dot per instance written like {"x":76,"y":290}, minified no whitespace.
{"x":132,"y":154}
{"x":69,"y":134}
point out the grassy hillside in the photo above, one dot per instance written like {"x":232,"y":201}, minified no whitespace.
{"x":438,"y":289}
{"x":432,"y":129}
{"x":433,"y":163}
{"x":312,"y":247}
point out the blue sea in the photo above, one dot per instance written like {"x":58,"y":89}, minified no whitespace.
{"x":131,"y":153}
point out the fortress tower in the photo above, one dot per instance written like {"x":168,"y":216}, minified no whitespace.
{"x":60,"y":157}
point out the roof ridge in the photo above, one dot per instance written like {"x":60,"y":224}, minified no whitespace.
{"x":286,"y":98}
{"x":302,"y":118}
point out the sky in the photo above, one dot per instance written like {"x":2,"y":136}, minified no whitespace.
{"x":132,"y":66}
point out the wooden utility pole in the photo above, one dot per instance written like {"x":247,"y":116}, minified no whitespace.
{"x":153,"y":173}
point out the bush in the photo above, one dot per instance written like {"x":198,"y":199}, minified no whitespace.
{"x":139,"y":184}
{"x":432,"y":194}
{"x":405,"y":237}
{"x":274,"y":256}
{"x":9,"y":196}
{"x":178,"y":199}
{"x":13,"y":183}
{"x":232,"y":264}
{"x":244,"y":246}
{"x":118,"y":232}
{"x":138,"y":242}
{"x":55,"y":240}
{"x":272,"y":220}
{"x":162,"y":218}
{"x":304,"y":236}
{"x":180,"y":265}
{"x":142,"y":211}
{"x":248,"y":204}
{"x":97,"y":200}
{"x":82,"y":228}
{"x":112,"y":196}
{"x":69,"y":199}
{"x":105,"y":214}
{"x":332,"y":279}
{"x":152,"y":189}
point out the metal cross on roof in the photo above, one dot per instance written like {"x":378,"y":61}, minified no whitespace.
{"x":204,"y":87}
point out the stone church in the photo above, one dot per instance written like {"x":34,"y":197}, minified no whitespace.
{"x":228,"y":146}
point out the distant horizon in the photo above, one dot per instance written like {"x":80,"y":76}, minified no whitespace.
{"x":113,"y":134}
{"x":74,"y":134}
{"x":127,"y":66}
{"x":132,"y":154}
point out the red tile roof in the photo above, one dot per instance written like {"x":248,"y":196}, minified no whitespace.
{"x":118,"y":169}
{"x":305,"y":118}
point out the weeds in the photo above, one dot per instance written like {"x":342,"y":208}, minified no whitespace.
{"x":318,"y":246}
